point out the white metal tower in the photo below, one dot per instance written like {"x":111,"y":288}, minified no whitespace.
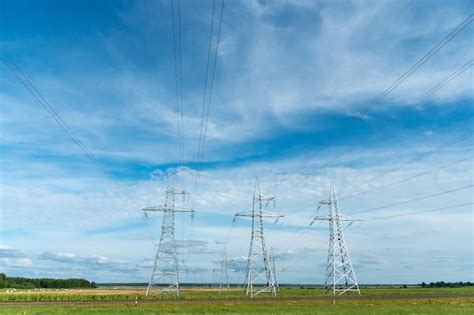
{"x":259,"y":266}
{"x":340,"y":276}
{"x":165,"y":276}
{"x":221,"y":275}
{"x":272,"y":263}
{"x":224,"y":277}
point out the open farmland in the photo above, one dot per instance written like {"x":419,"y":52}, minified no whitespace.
{"x":300,"y":301}
{"x":236,"y":156}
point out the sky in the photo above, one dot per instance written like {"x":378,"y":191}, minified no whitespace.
{"x":293,"y":80}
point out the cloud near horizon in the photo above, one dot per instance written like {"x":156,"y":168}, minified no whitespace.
{"x":291,"y":80}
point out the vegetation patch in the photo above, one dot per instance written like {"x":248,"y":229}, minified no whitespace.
{"x":43,"y":283}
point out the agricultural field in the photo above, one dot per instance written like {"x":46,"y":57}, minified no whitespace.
{"x":293,"y":301}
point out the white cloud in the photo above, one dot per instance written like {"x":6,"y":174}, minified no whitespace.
{"x":9,"y":252}
{"x":73,"y":258}
{"x":23,"y":262}
{"x":272,"y":72}
{"x":13,"y":258}
{"x":271,"y":78}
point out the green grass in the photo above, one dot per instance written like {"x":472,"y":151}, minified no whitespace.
{"x":369,"y":305}
{"x":59,"y":296}
{"x":388,"y":307}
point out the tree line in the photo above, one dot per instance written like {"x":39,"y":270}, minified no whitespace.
{"x":442,"y":284}
{"x":43,"y":283}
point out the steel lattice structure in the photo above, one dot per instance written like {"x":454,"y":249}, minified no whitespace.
{"x":165,"y":274}
{"x":224,"y":275}
{"x":340,"y":276}
{"x":272,"y":263}
{"x":259,"y":265}
{"x":221,"y":275}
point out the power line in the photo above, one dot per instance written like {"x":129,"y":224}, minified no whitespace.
{"x":419,"y":63}
{"x":320,"y":247}
{"x":181,"y":85}
{"x":292,"y":240}
{"x":381,"y":34}
{"x":302,"y":230}
{"x":404,"y":109}
{"x":205,"y":91}
{"x":43,"y":102}
{"x":396,"y":83}
{"x":209,"y":101}
{"x":415,"y":199}
{"x":420,"y":157}
{"x":390,"y":217}
{"x":210,"y":93}
{"x":418,"y":212}
{"x":178,"y":80}
{"x":408,"y":178}
{"x":407,"y":107}
{"x":417,"y":158}
{"x":427,"y":56}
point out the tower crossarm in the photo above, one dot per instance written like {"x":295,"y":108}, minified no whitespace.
{"x":157,"y":209}
{"x":183,"y":209}
{"x":265,"y":197}
{"x":165,"y":208}
{"x":263,"y":213}
{"x":243,"y":214}
{"x":268,"y":214}
{"x":177,"y":192}
{"x":329,"y":218}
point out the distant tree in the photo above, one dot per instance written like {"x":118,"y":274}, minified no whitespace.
{"x":442,"y":284}
{"x":3,"y":280}
{"x":46,"y":283}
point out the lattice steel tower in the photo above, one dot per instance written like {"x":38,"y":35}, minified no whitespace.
{"x":340,"y":276}
{"x":259,"y":266}
{"x":272,"y":264}
{"x":165,"y":275}
{"x":221,"y":275}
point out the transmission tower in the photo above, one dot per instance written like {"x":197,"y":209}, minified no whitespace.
{"x":259,"y":266}
{"x":221,"y":275}
{"x":216,"y":278}
{"x":165,"y":276}
{"x":272,"y":261}
{"x":224,"y":274}
{"x":340,"y":276}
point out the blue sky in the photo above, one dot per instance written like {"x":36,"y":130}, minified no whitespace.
{"x":291,"y":77}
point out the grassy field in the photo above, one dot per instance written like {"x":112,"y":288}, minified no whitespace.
{"x":127,"y":293}
{"x":372,"y":305}
{"x":438,"y":306}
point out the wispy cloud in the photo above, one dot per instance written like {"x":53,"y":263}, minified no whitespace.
{"x":9,"y":252}
{"x":290,"y":75}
